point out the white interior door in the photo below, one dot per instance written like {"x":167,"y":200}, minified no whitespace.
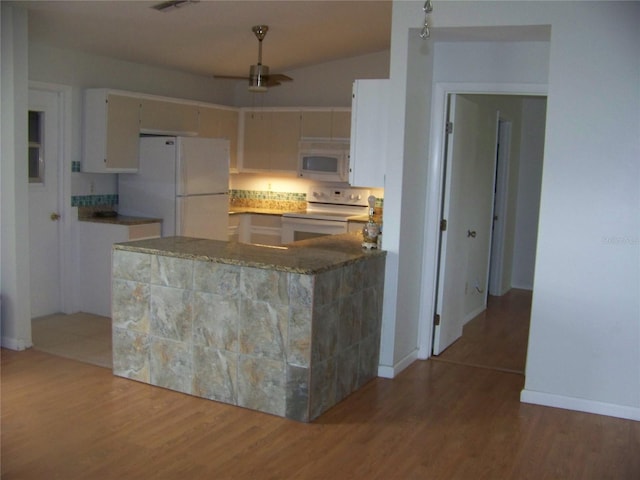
{"x":44,"y":202}
{"x":461,"y":149}
{"x":497,"y":286}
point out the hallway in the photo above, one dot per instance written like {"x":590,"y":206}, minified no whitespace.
{"x":497,"y":338}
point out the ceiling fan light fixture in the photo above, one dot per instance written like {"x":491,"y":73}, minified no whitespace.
{"x":258,"y":75}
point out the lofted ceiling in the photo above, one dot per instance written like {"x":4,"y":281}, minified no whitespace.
{"x":214,"y":37}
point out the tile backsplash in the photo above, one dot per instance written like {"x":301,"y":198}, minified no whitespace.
{"x":268,"y":199}
{"x":238,"y":198}
{"x":93,"y":200}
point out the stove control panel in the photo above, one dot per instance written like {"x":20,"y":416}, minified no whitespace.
{"x":338,"y":196}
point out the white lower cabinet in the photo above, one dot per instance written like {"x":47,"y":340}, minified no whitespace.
{"x":260,"y":229}
{"x":96,"y":240}
{"x":354,"y":226}
{"x":234,"y":227}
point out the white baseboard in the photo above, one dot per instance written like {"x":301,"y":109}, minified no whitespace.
{"x":580,"y":405}
{"x":475,"y":313}
{"x":387,"y":371}
{"x":13,"y":344}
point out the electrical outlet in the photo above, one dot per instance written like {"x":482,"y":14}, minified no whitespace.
{"x":466,"y":287}
{"x":269,"y":186}
{"x":92,"y":187}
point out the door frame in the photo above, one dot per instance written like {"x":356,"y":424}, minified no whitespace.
{"x":434,"y":191}
{"x":68,"y":270}
{"x":496,"y":257}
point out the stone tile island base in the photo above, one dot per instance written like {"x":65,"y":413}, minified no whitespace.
{"x":290,"y":332}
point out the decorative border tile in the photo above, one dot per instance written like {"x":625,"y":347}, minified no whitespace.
{"x":268,"y":195}
{"x":93,"y":200}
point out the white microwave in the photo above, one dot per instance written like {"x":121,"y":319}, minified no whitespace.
{"x":325,"y":161}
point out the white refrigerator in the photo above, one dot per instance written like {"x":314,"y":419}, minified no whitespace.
{"x":182,"y":180}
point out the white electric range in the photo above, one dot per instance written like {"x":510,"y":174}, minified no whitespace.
{"x":328,"y":210}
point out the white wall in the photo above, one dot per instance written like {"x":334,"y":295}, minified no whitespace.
{"x":14,"y":211}
{"x":584,"y":346}
{"x":529,"y":182}
{"x":425,"y":65}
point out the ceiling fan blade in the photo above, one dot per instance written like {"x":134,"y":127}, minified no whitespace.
{"x":280,"y":77}
{"x":276,"y":79}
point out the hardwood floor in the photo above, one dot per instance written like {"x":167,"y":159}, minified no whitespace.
{"x":497,"y":338}
{"x":70,"y":420}
{"x":79,"y":336}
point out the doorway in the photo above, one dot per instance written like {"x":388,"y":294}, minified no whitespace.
{"x":507,"y":196}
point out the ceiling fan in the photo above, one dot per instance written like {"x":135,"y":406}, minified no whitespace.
{"x":259,"y":77}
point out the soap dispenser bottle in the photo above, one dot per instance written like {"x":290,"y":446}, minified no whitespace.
{"x":371,"y":230}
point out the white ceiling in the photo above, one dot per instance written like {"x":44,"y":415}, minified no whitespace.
{"x":214,"y":36}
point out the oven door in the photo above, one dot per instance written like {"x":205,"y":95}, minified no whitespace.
{"x":295,"y":228}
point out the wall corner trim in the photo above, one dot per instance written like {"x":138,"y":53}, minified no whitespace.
{"x":391,"y":371}
{"x":14,"y":344}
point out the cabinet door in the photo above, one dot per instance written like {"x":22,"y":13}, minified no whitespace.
{"x":369,"y":115}
{"x":220,"y":123}
{"x":229,"y":129}
{"x":340,"y":124}
{"x":122,"y":133}
{"x":265,"y":229}
{"x":316,"y":124}
{"x":94,"y":254}
{"x":209,"y":122}
{"x":255,"y":154}
{"x":327,"y":124}
{"x":157,"y":116}
{"x":284,"y":137}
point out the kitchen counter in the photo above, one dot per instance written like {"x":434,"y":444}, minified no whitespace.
{"x":289,"y":331}
{"x":304,"y":257}
{"x":120,"y":220}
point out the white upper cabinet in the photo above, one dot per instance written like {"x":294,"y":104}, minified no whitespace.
{"x":217,"y":122}
{"x":341,"y":124}
{"x":326,"y":124}
{"x":369,"y":124}
{"x":271,"y":137}
{"x":111,"y":132}
{"x":270,"y":140}
{"x":167,"y":117}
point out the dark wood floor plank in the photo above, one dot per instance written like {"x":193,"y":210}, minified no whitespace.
{"x":497,"y":338}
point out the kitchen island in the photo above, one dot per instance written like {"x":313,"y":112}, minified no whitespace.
{"x":289,"y":331}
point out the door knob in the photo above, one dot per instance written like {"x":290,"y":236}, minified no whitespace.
{"x":55,"y":216}
{"x":471,"y":233}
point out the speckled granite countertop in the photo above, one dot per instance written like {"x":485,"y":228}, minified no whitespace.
{"x":121,"y":220}
{"x":304,"y":257}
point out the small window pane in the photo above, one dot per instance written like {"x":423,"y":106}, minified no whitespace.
{"x":34,"y":164}
{"x":36,"y":151}
{"x":34,"y":127}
